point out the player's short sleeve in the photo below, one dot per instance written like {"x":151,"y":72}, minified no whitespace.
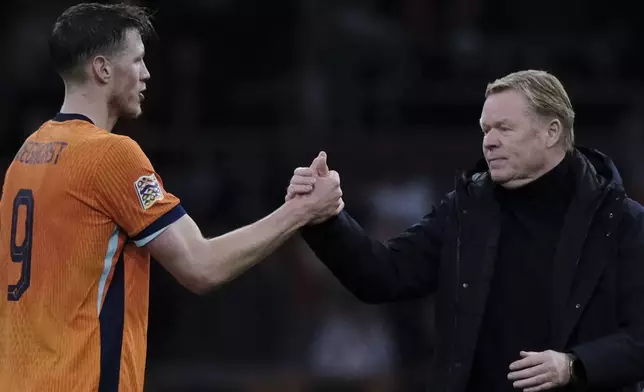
{"x":131,"y":193}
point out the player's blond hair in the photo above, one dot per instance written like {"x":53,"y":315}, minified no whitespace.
{"x":546,"y":96}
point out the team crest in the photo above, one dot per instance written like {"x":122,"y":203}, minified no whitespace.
{"x":148,"y":190}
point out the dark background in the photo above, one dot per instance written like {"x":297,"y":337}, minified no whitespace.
{"x":244,"y":91}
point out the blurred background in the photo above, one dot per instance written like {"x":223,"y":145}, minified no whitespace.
{"x":244,"y":91}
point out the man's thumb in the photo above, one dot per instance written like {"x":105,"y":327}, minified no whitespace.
{"x":319,"y":165}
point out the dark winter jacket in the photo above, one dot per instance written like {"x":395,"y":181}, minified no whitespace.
{"x":597,"y":306}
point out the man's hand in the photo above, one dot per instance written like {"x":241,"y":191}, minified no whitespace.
{"x":318,"y":188}
{"x":304,"y":178}
{"x":540,"y":371}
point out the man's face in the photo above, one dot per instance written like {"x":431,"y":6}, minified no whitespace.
{"x":514,"y":141}
{"x":130,"y":75}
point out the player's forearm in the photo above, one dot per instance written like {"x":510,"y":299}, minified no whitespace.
{"x":226,"y":256}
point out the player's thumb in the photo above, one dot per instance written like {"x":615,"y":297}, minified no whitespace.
{"x":319,"y":165}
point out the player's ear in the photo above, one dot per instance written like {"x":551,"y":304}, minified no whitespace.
{"x":102,"y":69}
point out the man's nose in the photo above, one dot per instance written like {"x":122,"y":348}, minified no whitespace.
{"x":491,"y":140}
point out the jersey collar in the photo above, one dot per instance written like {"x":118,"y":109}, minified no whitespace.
{"x":60,"y":117}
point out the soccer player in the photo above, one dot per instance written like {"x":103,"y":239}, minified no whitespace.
{"x":82,"y":211}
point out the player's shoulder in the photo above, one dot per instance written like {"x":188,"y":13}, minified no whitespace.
{"x":119,"y":145}
{"x":120,"y":151}
{"x":103,"y":146}
{"x":115,"y":141}
{"x":97,"y":141}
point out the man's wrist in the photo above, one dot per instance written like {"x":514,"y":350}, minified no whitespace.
{"x":571,"y":370}
{"x":576,"y":370}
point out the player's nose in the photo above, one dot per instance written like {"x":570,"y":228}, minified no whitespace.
{"x":146,"y":73}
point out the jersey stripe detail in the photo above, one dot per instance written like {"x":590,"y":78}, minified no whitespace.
{"x":112,"y":320}
{"x":148,"y":239}
{"x":161,"y":223}
{"x":112,"y":247}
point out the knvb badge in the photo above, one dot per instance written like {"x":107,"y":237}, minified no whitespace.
{"x":148,"y":190}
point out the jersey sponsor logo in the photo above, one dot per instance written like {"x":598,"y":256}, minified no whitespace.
{"x":148,"y":190}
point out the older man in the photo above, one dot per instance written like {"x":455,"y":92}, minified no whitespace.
{"x":536,"y":258}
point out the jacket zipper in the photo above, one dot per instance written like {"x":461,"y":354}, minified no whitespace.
{"x":458,"y":278}
{"x":589,"y":221}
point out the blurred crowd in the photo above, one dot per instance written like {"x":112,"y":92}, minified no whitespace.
{"x":244,"y":91}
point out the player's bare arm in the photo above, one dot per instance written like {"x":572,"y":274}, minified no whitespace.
{"x":201,"y":264}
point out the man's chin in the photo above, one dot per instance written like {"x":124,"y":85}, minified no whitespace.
{"x":499,"y":178}
{"x":133,"y":113}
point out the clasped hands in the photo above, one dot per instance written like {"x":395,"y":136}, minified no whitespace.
{"x":318,"y":188}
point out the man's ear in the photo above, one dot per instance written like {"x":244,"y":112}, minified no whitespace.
{"x":102,"y":69}
{"x":554,"y":133}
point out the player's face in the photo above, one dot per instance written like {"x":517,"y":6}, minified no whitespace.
{"x":513,"y":143}
{"x":130,"y":75}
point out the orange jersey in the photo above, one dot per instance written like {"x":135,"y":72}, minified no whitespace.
{"x":78,"y":205}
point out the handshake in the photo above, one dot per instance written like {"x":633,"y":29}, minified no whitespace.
{"x":316,"y":190}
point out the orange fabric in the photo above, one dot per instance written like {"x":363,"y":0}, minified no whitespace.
{"x":80,"y":184}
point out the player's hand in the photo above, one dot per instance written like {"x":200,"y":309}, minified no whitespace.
{"x":540,"y":371}
{"x":302,"y":183}
{"x":303,"y":180}
{"x":318,"y":188}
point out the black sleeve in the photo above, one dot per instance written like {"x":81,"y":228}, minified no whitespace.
{"x":618,"y":360}
{"x":405,"y":267}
